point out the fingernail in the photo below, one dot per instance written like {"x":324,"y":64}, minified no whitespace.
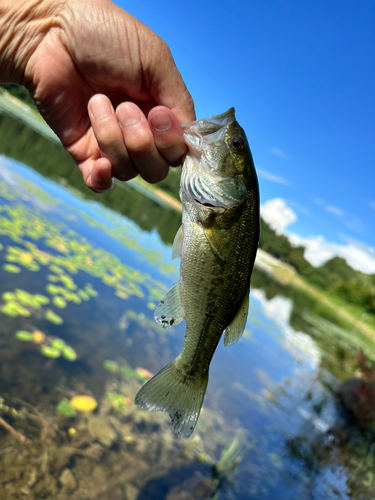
{"x":100,"y":108}
{"x":161,"y":121}
{"x":128,"y":116}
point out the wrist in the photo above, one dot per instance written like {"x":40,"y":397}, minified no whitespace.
{"x":23,"y":25}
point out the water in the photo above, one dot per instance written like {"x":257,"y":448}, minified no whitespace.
{"x":270,"y":427}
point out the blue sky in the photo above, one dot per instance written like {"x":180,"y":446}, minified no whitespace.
{"x":301,"y":77}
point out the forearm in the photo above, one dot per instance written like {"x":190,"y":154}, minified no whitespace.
{"x":23,"y":24}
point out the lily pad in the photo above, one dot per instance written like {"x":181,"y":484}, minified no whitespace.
{"x":53,"y":278}
{"x":53,"y":317}
{"x":24,"y":336}
{"x":41,"y":299}
{"x":83,"y":295}
{"x":7,"y":296}
{"x":10,"y":268}
{"x":50,"y":352}
{"x":69,"y":353}
{"x":59,"y":302}
{"x":58,"y":344}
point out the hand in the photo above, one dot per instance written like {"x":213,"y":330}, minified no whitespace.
{"x":109,"y":88}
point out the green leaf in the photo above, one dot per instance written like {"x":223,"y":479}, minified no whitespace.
{"x":24,"y":336}
{"x":69,"y":353}
{"x":50,"y":352}
{"x":53,"y":317}
{"x":10,"y":268}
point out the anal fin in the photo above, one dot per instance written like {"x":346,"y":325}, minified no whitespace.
{"x":235,"y":330}
{"x":169,"y":312}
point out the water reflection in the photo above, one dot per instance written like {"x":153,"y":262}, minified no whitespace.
{"x":78,"y":284}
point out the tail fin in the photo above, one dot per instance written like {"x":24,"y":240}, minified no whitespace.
{"x":176,"y":393}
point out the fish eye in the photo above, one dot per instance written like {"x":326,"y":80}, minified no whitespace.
{"x":236,"y":143}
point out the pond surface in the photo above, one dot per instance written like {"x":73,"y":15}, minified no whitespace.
{"x":80,"y":277}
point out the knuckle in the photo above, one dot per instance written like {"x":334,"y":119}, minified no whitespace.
{"x":140,"y":144}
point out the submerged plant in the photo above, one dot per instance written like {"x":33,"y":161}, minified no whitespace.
{"x":118,"y":401}
{"x":111,"y":366}
{"x":66,"y":408}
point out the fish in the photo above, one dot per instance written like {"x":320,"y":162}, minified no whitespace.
{"x":217,"y":243}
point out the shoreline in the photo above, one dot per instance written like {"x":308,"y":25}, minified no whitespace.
{"x":281,"y":272}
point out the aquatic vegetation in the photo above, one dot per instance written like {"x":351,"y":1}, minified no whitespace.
{"x":84,"y":403}
{"x":139,"y":373}
{"x":66,"y":408}
{"x":7,"y":409}
{"x":38,"y":337}
{"x":111,"y":366}
{"x":59,"y":302}
{"x":22,"y":257}
{"x":69,"y":353}
{"x":53,"y":317}
{"x":10,"y":268}
{"x":50,"y":352}
{"x":143,"y":374}
{"x":118,"y":402}
{"x":13,"y":308}
{"x":51,"y":347}
{"x":24,"y":336}
{"x":19,"y":303}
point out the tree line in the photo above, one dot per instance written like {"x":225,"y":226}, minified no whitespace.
{"x":334,"y":276}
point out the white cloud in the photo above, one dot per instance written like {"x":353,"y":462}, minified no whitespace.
{"x":277,"y":214}
{"x":318,"y":250}
{"x":334,"y":210}
{"x":359,"y":256}
{"x":280,"y":153}
{"x":331,"y":209}
{"x":272,"y":177}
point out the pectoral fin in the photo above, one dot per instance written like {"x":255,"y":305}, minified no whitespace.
{"x":169,"y":312}
{"x":212,"y":233}
{"x":177,"y":243}
{"x":234,"y":331}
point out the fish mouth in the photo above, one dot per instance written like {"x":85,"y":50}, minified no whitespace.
{"x":212,"y":124}
{"x":207,"y":131}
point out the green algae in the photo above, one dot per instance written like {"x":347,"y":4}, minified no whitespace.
{"x":65,"y":408}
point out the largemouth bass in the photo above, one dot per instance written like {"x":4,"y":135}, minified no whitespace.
{"x":217,"y":242}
